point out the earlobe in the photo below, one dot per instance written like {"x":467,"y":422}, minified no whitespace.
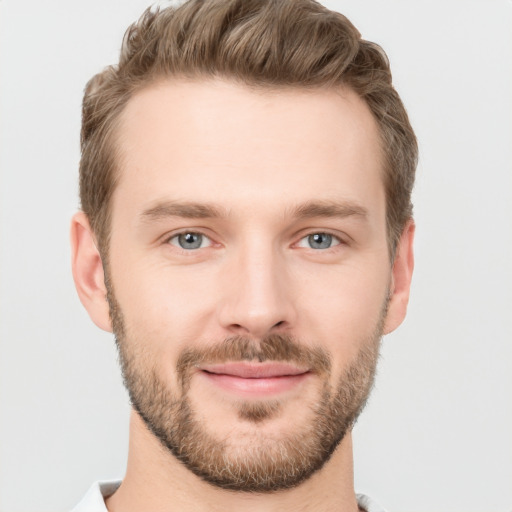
{"x":88,"y":272}
{"x":401,"y":277}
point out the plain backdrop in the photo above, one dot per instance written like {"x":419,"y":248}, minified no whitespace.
{"x":437,"y":434}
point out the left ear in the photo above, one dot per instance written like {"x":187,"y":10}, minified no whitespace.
{"x":401,"y":279}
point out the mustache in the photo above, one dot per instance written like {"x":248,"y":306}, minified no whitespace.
{"x":274,"y":347}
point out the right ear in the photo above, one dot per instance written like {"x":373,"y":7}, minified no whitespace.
{"x":88,"y":274}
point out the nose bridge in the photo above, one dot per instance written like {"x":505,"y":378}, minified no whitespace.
{"x":258,"y":299}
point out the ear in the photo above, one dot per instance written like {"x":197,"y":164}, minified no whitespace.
{"x":401,"y":279}
{"x":88,"y":273}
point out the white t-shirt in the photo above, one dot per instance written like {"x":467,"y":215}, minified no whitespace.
{"x":94,"y":500}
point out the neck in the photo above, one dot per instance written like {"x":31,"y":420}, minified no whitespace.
{"x":155,"y":480}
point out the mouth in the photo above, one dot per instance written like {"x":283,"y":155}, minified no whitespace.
{"x":254,"y":379}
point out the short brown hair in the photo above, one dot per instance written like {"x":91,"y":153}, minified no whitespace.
{"x":263,"y":43}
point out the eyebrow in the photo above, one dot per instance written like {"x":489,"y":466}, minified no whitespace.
{"x":310,"y":209}
{"x":329,"y":209}
{"x":186,"y":210}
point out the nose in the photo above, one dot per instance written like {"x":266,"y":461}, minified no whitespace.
{"x":257,"y":295}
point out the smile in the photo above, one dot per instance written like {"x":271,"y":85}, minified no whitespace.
{"x":254,"y":379}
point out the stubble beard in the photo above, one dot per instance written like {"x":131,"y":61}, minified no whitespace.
{"x":260,"y":463}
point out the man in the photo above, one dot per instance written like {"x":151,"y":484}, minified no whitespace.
{"x":246,"y":232}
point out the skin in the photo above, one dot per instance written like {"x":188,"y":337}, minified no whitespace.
{"x":256,"y":157}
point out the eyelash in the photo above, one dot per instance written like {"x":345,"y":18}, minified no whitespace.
{"x":335,"y":238}
{"x":169,"y":239}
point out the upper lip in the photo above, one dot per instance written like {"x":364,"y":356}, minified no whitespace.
{"x":248,"y":370}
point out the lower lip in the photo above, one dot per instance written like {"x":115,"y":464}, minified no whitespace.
{"x":256,"y":386}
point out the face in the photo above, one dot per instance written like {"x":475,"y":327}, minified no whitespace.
{"x":249,"y":274}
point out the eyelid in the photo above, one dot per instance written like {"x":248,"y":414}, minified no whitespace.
{"x":341,"y":239}
{"x":166,"y":239}
{"x":204,"y":243}
{"x":303,"y":243}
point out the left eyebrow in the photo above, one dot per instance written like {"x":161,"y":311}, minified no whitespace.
{"x":329,"y":209}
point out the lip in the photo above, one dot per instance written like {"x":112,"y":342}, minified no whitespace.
{"x":248,"y":370}
{"x":254,"y":379}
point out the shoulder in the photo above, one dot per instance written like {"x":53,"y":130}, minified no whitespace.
{"x":368,"y":505}
{"x":94,"y":500}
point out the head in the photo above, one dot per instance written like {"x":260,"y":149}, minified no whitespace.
{"x":246,"y":231}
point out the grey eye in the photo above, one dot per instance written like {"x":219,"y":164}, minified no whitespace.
{"x":320,"y":241}
{"x":190,"y":241}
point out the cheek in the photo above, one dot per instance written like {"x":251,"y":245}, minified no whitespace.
{"x":344,"y":310}
{"x":170,"y":307}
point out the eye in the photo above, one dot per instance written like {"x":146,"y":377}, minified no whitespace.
{"x":190,"y":241}
{"x":319,"y":241}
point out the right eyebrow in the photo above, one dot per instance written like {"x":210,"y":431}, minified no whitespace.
{"x":186,"y":210}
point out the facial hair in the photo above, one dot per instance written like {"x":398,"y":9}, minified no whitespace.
{"x":263,"y":463}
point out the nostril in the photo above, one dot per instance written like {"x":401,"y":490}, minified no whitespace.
{"x":239,"y":329}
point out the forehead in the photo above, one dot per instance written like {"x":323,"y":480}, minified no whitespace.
{"x":223,"y":142}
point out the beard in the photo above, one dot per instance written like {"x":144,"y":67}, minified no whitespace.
{"x":256,"y":462}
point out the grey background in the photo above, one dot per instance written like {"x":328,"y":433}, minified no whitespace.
{"x":437,"y":435}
